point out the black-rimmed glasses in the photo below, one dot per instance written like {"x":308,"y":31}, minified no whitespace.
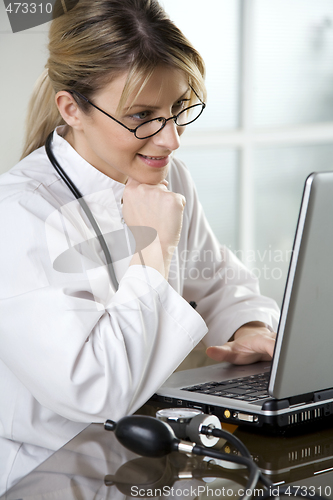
{"x":153,"y":127}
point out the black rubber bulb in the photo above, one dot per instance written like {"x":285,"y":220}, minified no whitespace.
{"x":144,"y":435}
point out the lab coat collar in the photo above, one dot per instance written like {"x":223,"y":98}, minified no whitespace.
{"x":87,"y":178}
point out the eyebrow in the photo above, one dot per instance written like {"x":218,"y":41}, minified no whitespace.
{"x":148,"y":106}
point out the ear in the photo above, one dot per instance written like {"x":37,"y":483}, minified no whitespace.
{"x":69,"y":109}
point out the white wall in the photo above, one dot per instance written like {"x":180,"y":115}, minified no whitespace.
{"x":22,"y":59}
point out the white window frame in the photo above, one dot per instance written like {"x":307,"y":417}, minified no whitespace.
{"x":246,"y":138}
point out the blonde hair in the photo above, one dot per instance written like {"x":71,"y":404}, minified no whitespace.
{"x":96,"y":41}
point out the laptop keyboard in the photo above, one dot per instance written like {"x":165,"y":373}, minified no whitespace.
{"x":250,"y":388}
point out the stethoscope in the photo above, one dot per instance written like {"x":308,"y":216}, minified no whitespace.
{"x":78,"y":195}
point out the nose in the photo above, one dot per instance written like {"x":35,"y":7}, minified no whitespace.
{"x":169,"y":136}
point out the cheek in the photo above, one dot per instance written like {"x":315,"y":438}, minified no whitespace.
{"x":113,"y":142}
{"x":181,"y":130}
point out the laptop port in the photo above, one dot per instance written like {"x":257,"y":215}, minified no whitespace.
{"x":197,"y":407}
{"x":245,"y":417}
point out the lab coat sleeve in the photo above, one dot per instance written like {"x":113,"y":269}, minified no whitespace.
{"x":226,"y":292}
{"x":83,"y":362}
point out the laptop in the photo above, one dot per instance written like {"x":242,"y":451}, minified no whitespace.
{"x":290,"y":459}
{"x":296,"y":387}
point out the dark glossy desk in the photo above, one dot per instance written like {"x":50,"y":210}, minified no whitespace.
{"x":94,"y":465}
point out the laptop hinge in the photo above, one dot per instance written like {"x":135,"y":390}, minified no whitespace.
{"x":275,"y":404}
{"x":281,"y":404}
{"x":302,"y":398}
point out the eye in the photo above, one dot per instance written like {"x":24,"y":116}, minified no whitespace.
{"x":141,"y":116}
{"x":180,"y":105}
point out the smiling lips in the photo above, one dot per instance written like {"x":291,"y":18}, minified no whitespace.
{"x":155,"y":161}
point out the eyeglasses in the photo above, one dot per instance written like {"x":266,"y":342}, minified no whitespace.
{"x":153,"y":127}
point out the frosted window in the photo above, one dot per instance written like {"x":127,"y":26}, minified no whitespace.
{"x":279,"y":178}
{"x":293,"y":70}
{"x":215,"y":173}
{"x":213,"y":29}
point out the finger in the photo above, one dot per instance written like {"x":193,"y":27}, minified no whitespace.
{"x":219,"y":353}
{"x":227,"y":354}
{"x":263,"y":344}
{"x":182,"y":199}
{"x":244,"y":350}
{"x":255,"y":342}
{"x":161,"y":185}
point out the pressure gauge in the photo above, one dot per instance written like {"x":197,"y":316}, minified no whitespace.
{"x":187,"y":424}
{"x":180,"y":414}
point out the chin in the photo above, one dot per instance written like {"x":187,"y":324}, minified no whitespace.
{"x":153,"y":178}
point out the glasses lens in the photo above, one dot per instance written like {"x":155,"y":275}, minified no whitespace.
{"x":190,"y":114}
{"x":185,"y":117}
{"x":149,"y":128}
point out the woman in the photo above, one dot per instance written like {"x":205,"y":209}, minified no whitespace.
{"x":76,"y":348}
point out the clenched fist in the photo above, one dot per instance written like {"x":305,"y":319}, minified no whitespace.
{"x":156,"y":207}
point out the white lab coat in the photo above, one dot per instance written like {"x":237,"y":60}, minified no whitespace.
{"x":72,"y":350}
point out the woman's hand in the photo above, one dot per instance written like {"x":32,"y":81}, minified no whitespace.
{"x":252,"y":342}
{"x":156,"y":207}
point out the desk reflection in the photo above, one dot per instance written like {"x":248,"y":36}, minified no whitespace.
{"x":95,"y":466}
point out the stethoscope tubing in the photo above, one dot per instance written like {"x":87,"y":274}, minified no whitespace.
{"x":78,"y":195}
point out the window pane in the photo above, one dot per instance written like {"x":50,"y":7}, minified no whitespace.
{"x":213,"y":29}
{"x":215,"y":173}
{"x":293,"y":70}
{"x":279,"y":178}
